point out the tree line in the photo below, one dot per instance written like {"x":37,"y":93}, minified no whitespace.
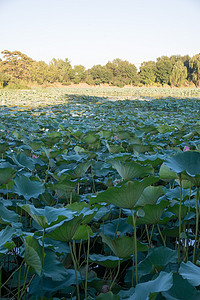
{"x":17,"y":70}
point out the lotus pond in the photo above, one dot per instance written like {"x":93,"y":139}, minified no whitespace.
{"x":100,"y":199}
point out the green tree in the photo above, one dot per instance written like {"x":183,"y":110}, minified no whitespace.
{"x":40,"y":73}
{"x":148,"y":73}
{"x":163,"y":70}
{"x":60,"y":70}
{"x":100,"y":74}
{"x":78,"y":74}
{"x":179,"y":74}
{"x":17,"y":64}
{"x":195,"y":65}
{"x":123,"y":72}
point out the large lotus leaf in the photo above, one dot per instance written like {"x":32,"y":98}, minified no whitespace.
{"x":188,"y":161}
{"x":83,"y":208}
{"x":115,"y":148}
{"x":50,"y":286}
{"x":150,"y":195}
{"x":82,"y":232}
{"x":65,"y":230}
{"x":109,"y":228}
{"x":162,"y":283}
{"x":106,"y":261}
{"x":153,"y":160}
{"x":63,"y":186}
{"x":6,"y":242}
{"x":48,"y":216}
{"x":152,"y":213}
{"x":90,"y":138}
{"x":53,"y":268}
{"x":105,"y":133}
{"x":190,"y":272}
{"x":156,"y":260}
{"x":140,"y":148}
{"x":81,"y":169}
{"x":181,"y":290}
{"x":175,"y":210}
{"x":7,"y":216}
{"x":36,"y":145}
{"x":166,"y":173}
{"x":22,"y":160}
{"x":123,"y":246}
{"x":101,"y":168}
{"x":27,"y":188}
{"x":125,"y":196}
{"x":130,"y":170}
{"x":33,"y":254}
{"x":6,"y":174}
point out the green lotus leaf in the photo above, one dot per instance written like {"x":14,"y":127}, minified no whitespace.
{"x":162,"y":283}
{"x":156,"y":260}
{"x":130,"y":170}
{"x":6,"y":175}
{"x":150,"y":195}
{"x":166,"y":173}
{"x":123,"y":246}
{"x":181,"y":290}
{"x":22,"y":160}
{"x":48,"y":216}
{"x":115,"y":148}
{"x":6,"y":242}
{"x":33,"y":254}
{"x":82,"y":232}
{"x":188,"y":161}
{"x":53,"y":268}
{"x":152,"y":212}
{"x":125,"y":196}
{"x":106,"y":261}
{"x":65,"y":230}
{"x":7,"y":216}
{"x":81,"y":169}
{"x":27,"y":188}
{"x":190,"y":272}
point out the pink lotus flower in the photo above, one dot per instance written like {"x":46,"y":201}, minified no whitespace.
{"x":115,"y":137}
{"x":186,"y":148}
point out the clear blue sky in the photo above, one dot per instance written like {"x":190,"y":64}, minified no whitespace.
{"x":90,"y":32}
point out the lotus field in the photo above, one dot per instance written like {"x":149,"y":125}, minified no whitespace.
{"x":99,"y":198}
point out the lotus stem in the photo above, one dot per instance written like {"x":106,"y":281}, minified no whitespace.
{"x":135,"y":248}
{"x":87,"y":263}
{"x":120,"y":212}
{"x":163,"y":240}
{"x":197,"y":226}
{"x":117,"y":273}
{"x":75,"y":268}
{"x":179,"y":219}
{"x":148,"y":237}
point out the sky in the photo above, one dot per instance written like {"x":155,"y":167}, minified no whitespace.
{"x":91,"y":32}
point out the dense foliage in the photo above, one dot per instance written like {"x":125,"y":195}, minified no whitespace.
{"x":17,"y":70}
{"x":100,"y":199}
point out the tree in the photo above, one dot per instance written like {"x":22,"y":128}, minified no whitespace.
{"x":123,"y":72}
{"x":163,"y":70}
{"x":148,"y":73}
{"x":179,"y":74}
{"x":40,"y":73}
{"x":60,"y":70}
{"x":17,"y":64}
{"x":78,"y":74}
{"x":100,"y":74}
{"x":195,"y":65}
